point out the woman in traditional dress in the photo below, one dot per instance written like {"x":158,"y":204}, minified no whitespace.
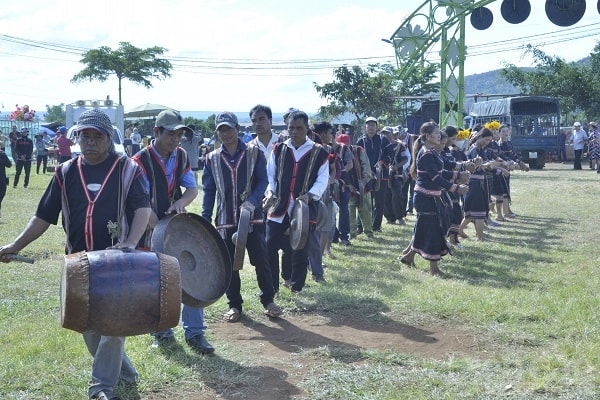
{"x":477,"y":199}
{"x":429,"y":234}
{"x":507,"y":153}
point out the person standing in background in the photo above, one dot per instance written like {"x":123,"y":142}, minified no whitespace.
{"x":41,"y":153}
{"x":579,"y":139}
{"x":376,"y":147}
{"x":64,"y":145}
{"x":23,"y":154}
{"x":190,"y":142}
{"x":13,"y":136}
{"x":4,"y":163}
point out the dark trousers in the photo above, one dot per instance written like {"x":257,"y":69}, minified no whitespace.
{"x":294,"y":263}
{"x":256,"y":246}
{"x":378,"y":199}
{"x":395,"y":204}
{"x":41,"y":160}
{"x":20,"y":165}
{"x":562,"y":154}
{"x":2,"y":192}
{"x":577,"y":162}
{"x":344,"y":215}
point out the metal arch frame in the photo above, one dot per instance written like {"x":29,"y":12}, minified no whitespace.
{"x":412,"y":42}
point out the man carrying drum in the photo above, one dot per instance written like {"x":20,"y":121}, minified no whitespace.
{"x":167,"y":168}
{"x":83,"y":190}
{"x":298,"y":170}
{"x":236,"y":175}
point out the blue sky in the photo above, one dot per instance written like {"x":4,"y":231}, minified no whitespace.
{"x":231,"y":55}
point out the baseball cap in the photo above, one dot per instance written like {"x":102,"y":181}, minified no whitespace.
{"x":171,"y":120}
{"x":62,"y":129}
{"x":577,"y":124}
{"x":371,"y":119}
{"x":23,"y":130}
{"x":95,"y":119}
{"x":387,"y":129}
{"x":226,"y":118}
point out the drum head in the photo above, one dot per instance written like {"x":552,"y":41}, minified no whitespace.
{"x":202,"y":254}
{"x":241,"y":238}
{"x":299,"y":221}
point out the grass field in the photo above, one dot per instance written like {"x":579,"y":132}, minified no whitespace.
{"x":526,"y":301}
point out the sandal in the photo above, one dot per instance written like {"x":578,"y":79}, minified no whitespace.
{"x":273,"y":310}
{"x":233,"y":315}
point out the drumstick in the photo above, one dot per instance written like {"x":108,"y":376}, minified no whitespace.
{"x":16,"y":257}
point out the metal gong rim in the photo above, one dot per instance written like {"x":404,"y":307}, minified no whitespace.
{"x":299,"y":221}
{"x":203,"y":257}
{"x":322,"y":216}
{"x":241,"y":240}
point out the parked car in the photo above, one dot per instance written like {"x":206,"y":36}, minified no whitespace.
{"x":118,"y":140}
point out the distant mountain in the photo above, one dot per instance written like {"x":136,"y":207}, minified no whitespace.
{"x":490,"y":82}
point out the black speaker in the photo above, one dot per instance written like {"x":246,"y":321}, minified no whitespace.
{"x":482,"y":18}
{"x":565,"y":12}
{"x":515,"y":11}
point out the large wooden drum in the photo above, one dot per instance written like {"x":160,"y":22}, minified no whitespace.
{"x":120,"y":293}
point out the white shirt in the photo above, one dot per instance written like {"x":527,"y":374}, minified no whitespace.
{"x":318,"y":187}
{"x":268,"y":149}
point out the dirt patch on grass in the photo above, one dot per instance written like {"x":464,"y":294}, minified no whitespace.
{"x":281,"y":349}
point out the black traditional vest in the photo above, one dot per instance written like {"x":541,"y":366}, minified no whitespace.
{"x":295,"y":176}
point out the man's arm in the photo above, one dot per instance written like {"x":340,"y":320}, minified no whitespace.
{"x":138,"y":226}
{"x":34,"y":229}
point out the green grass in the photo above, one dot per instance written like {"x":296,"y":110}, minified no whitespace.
{"x":528,"y":296}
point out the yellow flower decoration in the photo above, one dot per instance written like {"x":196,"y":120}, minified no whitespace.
{"x":463,"y":135}
{"x":492,"y":125}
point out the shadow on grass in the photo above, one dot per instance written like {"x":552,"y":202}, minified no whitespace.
{"x":290,"y":337}
{"x":231,"y":380}
{"x":501,"y":264}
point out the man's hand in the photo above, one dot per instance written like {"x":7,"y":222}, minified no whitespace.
{"x":248,"y":206}
{"x":176,"y":207}
{"x":304,"y":197}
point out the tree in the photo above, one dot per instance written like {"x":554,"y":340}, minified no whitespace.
{"x":205,"y":126}
{"x":55,"y":113}
{"x":576,"y":85}
{"x":127,"y":62}
{"x":376,"y":90}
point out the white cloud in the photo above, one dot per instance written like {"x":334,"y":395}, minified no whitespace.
{"x":264,"y":30}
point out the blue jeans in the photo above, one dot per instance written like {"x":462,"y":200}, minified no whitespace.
{"x":110,"y":365}
{"x":193,"y":323}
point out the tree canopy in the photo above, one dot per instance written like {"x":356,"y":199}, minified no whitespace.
{"x":376,"y":90}
{"x":55,"y":113}
{"x":126,"y":62}
{"x":575,"y":84}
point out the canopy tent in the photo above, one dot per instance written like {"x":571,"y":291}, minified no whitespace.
{"x":147,"y":110}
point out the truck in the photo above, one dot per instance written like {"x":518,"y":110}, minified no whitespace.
{"x":534,"y":122}
{"x":115,"y":112}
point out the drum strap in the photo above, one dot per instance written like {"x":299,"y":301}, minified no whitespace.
{"x":215,"y":163}
{"x":251,"y":155}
